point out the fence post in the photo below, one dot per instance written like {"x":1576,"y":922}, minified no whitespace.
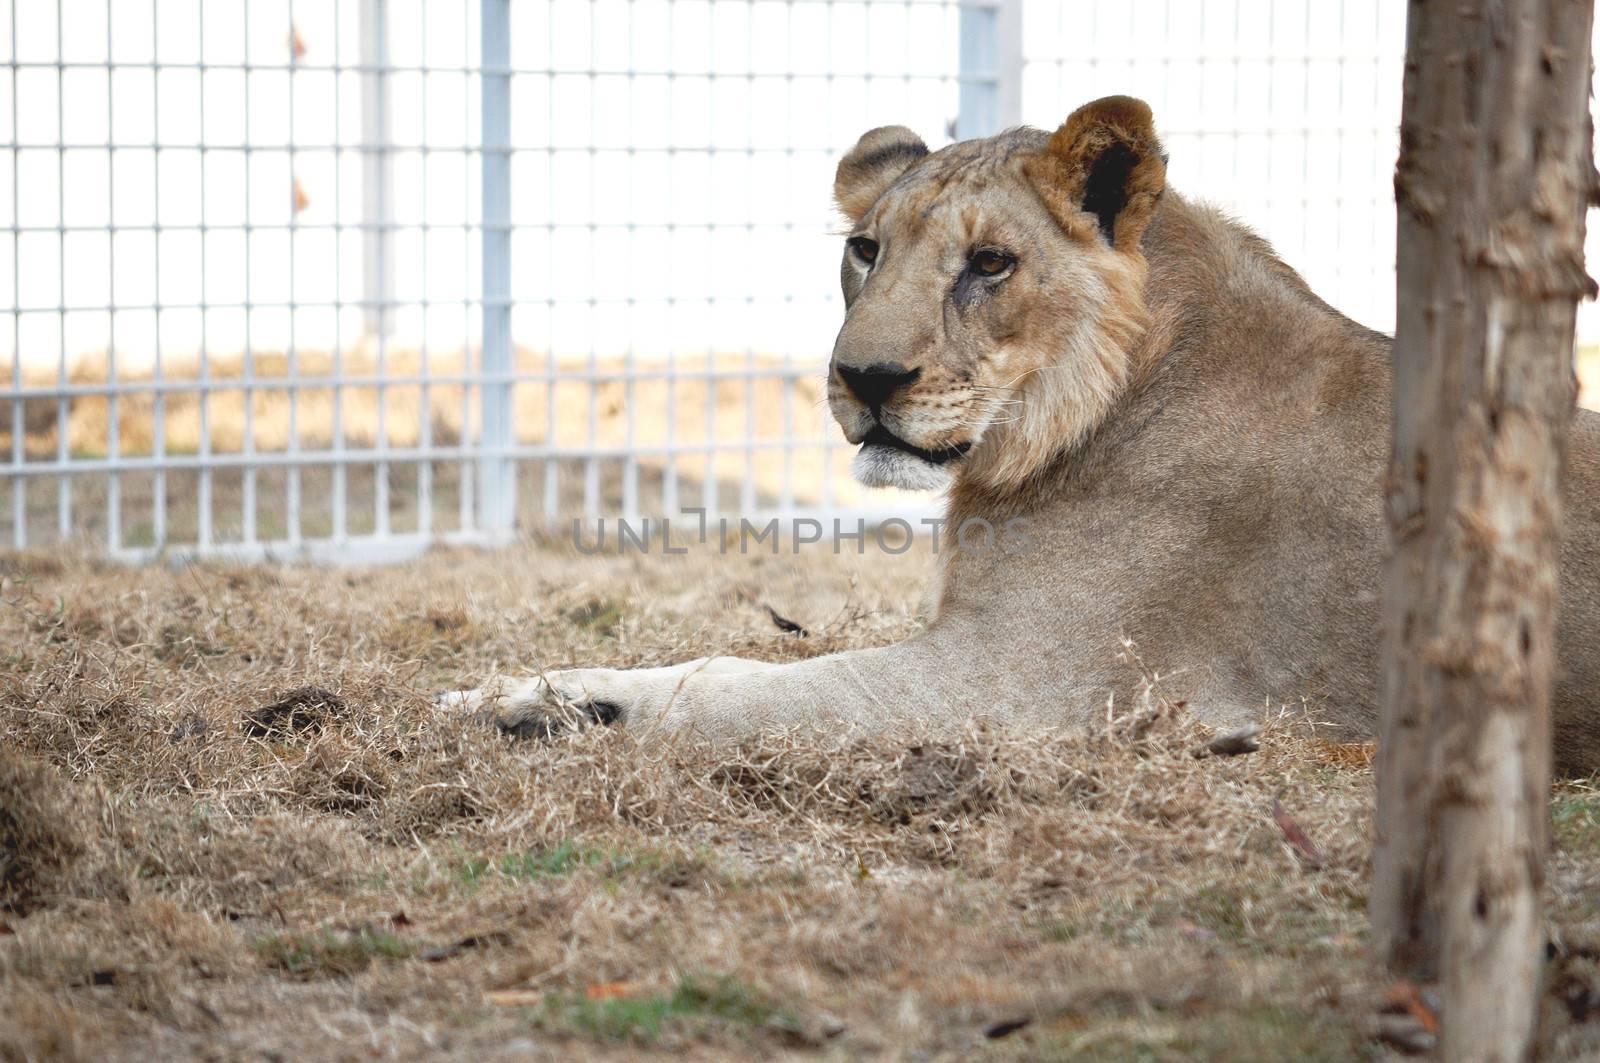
{"x":991,"y":67}
{"x":497,"y":479}
{"x":377,"y":171}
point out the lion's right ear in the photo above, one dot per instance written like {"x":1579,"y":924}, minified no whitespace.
{"x":880,"y":156}
{"x":1104,"y":170}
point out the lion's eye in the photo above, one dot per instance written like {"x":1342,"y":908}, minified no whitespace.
{"x":990,"y":263}
{"x":864,"y":248}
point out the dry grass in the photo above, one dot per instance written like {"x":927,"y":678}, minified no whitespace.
{"x":353,"y":874}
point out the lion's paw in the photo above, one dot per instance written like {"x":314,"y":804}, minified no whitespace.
{"x":538,"y":708}
{"x":659,"y":700}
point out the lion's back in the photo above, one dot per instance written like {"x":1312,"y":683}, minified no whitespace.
{"x":1576,"y":715}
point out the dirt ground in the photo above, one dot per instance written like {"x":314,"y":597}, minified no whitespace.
{"x":233,"y":827}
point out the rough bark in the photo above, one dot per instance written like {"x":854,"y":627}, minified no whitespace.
{"x":1493,"y":180}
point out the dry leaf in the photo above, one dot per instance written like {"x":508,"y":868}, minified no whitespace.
{"x":1310,"y":855}
{"x":612,"y":990}
{"x":1409,"y":998}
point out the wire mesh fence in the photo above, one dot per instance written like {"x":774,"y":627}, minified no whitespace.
{"x":1286,"y":113}
{"x":354,"y":276}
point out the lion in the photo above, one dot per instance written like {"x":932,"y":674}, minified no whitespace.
{"x":1196,"y":441}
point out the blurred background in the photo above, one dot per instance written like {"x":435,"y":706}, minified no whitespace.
{"x":348,"y":277}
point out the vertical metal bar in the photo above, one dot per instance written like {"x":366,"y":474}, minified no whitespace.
{"x":991,"y":67}
{"x":669,"y":475}
{"x":466,"y":470}
{"x":591,"y":465}
{"x":377,"y":170}
{"x":1378,"y":209}
{"x":1269,"y":177}
{"x":1341,"y":290}
{"x":113,"y":406}
{"x":379,"y":176}
{"x":203,"y":396}
{"x":979,"y":107}
{"x":1235,"y":135}
{"x":786,"y":487}
{"x":630,"y":465}
{"x":424,"y":468}
{"x":1305,"y":137}
{"x":820,"y":419}
{"x":159,"y":396}
{"x":248,"y":376}
{"x":292,"y":353}
{"x":19,"y":426}
{"x":341,"y":467}
{"x":708,"y":486}
{"x":497,"y":485}
{"x":747,"y":490}
{"x":552,"y":463}
{"x":63,"y":405}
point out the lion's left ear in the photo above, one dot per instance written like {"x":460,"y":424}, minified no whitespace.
{"x":1103,"y":169}
{"x":880,"y":156}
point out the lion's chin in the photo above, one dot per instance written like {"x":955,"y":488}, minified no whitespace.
{"x":877,"y":465}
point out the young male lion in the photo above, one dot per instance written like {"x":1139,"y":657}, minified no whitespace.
{"x":1194,"y":439}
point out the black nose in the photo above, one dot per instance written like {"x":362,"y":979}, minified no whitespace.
{"x":874,"y":384}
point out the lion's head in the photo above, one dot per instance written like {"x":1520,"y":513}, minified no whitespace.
{"x":993,"y":289}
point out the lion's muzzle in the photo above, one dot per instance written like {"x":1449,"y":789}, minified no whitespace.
{"x":876,"y":384}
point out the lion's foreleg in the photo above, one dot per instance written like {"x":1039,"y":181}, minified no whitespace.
{"x":864,"y":689}
{"x":724,"y":699}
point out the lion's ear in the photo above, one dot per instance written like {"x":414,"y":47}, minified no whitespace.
{"x":880,"y":156}
{"x":1104,"y":167}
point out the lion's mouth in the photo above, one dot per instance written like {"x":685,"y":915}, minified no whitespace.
{"x":882,"y":437}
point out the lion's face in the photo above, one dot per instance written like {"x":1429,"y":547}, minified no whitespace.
{"x":992,"y":294}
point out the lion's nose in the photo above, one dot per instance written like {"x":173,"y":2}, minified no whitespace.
{"x":876,"y":383}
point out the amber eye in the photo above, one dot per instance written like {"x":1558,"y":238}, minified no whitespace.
{"x":989,"y":262}
{"x":864,"y":248}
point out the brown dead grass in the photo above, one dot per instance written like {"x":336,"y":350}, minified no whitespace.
{"x":386,"y":881}
{"x":40,"y":833}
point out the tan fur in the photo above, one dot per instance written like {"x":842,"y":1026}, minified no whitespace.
{"x":1193,"y":439}
{"x":1060,"y":174}
{"x":879,"y":157}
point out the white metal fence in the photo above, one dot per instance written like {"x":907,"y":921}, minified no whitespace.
{"x":352,"y":276}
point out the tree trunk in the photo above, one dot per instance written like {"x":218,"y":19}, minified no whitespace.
{"x":1494,"y":176}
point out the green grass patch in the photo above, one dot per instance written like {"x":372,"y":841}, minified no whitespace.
{"x":1097,"y":922}
{"x":566,"y":858}
{"x":1062,"y":930}
{"x":1575,"y":815}
{"x":1254,"y":917}
{"x":694,"y":1007}
{"x":597,"y":616}
{"x":1251,"y":1031}
{"x":1219,"y":909}
{"x":330,"y":953}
